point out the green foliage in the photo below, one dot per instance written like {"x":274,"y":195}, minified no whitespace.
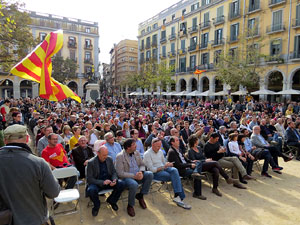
{"x":63,"y":69}
{"x":15,"y":35}
{"x":243,"y":65}
{"x":150,"y":73}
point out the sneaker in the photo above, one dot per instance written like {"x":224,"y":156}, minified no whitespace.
{"x":177,"y":199}
{"x":266,"y":175}
{"x":180,"y":203}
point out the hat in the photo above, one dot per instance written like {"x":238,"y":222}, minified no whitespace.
{"x":15,"y":132}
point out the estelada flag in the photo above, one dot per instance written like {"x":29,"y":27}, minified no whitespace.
{"x":199,"y":71}
{"x":37,"y":67}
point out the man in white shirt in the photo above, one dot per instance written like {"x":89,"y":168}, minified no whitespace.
{"x":280,"y":128}
{"x":164,"y":171}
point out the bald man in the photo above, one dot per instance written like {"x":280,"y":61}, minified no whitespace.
{"x":101,"y":175}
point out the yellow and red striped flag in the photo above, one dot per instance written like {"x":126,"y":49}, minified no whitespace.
{"x":199,"y":71}
{"x":37,"y":67}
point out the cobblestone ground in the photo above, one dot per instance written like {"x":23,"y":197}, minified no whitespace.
{"x":265,"y":202}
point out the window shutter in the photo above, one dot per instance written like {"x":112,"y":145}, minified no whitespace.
{"x":230,"y":10}
{"x":203,"y":2}
{"x":195,"y":22}
{"x":220,"y":11}
{"x":206,"y":17}
{"x":298,"y":13}
{"x":238,"y":29}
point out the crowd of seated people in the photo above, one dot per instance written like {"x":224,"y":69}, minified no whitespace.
{"x":125,"y":144}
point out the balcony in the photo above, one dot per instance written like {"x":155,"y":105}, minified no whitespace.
{"x":254,"y":7}
{"x":182,"y":51}
{"x":181,"y":70}
{"x":162,"y":56}
{"x":72,"y":44}
{"x":142,"y":48}
{"x":203,"y":45}
{"x":218,"y":42}
{"x":219,"y":20}
{"x":233,"y":39}
{"x":191,"y":69}
{"x":193,"y":48}
{"x":205,"y":25}
{"x":148,"y":59}
{"x":154,"y":44}
{"x":253,"y":33}
{"x":275,"y":59}
{"x":163,"y":40}
{"x":172,"y":37}
{"x":88,"y":61}
{"x":296,"y":23}
{"x":295,"y":56}
{"x":88,"y":47}
{"x":273,"y":3}
{"x":148,"y":45}
{"x":182,"y":34}
{"x":193,"y":29}
{"x":172,"y":54}
{"x":234,"y":15}
{"x":275,"y":28}
{"x":206,"y":67}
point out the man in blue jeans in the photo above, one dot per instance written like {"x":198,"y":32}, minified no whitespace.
{"x":131,"y":168}
{"x":101,"y":175}
{"x":164,"y":171}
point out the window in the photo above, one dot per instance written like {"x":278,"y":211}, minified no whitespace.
{"x":254,"y":5}
{"x":154,"y":53}
{"x":132,"y":68}
{"x":154,"y":39}
{"x":253,"y":27}
{"x":42,"y":36}
{"x":204,"y":40}
{"x":148,"y":55}
{"x":87,"y":56}
{"x":234,"y":9}
{"x":193,"y":62}
{"x":173,"y":31}
{"x":194,"y":23}
{"x":204,"y":59}
{"x":164,"y":21}
{"x":142,"y":56}
{"x":233,"y":52}
{"x":193,"y":42}
{"x":234,"y":32}
{"x":132,"y":49}
{"x":173,"y":17}
{"x":172,"y":65}
{"x":275,"y":48}
{"x":73,"y":27}
{"x":182,"y":42}
{"x":206,"y":19}
{"x":220,"y":12}
{"x":163,"y":49}
{"x":183,"y":27}
{"x":297,"y":47}
{"x":148,"y":29}
{"x":182,"y":64}
{"x":88,"y":43}
{"x":143,"y":32}
{"x":194,"y":6}
{"x":163,"y":35}
{"x":277,"y":21}
{"x":218,"y":36}
{"x":148,"y":42}
{"x":205,"y":2}
{"x":143,"y":44}
{"x":73,"y":54}
{"x":183,"y":12}
{"x":87,"y":30}
{"x":155,"y":26}
{"x":217,"y":56}
{"x":173,"y":47}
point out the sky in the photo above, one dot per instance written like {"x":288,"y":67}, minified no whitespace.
{"x":117,"y":19}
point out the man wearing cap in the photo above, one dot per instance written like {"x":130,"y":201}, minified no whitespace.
{"x":25,"y":179}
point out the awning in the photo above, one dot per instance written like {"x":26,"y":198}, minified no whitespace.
{"x":205,"y":94}
{"x":263,"y":92}
{"x":220,"y":93}
{"x":288,"y":92}
{"x":183,"y":93}
{"x":239,"y":93}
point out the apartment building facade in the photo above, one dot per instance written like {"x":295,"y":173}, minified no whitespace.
{"x":123,"y":61}
{"x":81,"y":44}
{"x":191,"y":33}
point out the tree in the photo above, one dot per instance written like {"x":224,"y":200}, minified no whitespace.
{"x":15,"y":36}
{"x":149,"y":74}
{"x":63,"y":69}
{"x":242,"y":65}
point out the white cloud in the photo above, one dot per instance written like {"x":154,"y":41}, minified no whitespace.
{"x":117,"y":19}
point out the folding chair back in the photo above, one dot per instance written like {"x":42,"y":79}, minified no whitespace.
{"x":65,"y":172}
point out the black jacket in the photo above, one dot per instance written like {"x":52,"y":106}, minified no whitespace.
{"x":79,"y":159}
{"x":290,"y":135}
{"x":173,"y":156}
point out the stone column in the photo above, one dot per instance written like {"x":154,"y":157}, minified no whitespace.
{"x":80,"y":87}
{"x":262,"y":85}
{"x":92,"y":93}
{"x":211,"y":88}
{"x":16,"y":87}
{"x":35,"y":89}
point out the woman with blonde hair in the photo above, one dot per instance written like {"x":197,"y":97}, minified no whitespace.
{"x":66,"y":135}
{"x":74,"y":140}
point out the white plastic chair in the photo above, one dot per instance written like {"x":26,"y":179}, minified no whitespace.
{"x":67,"y":195}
